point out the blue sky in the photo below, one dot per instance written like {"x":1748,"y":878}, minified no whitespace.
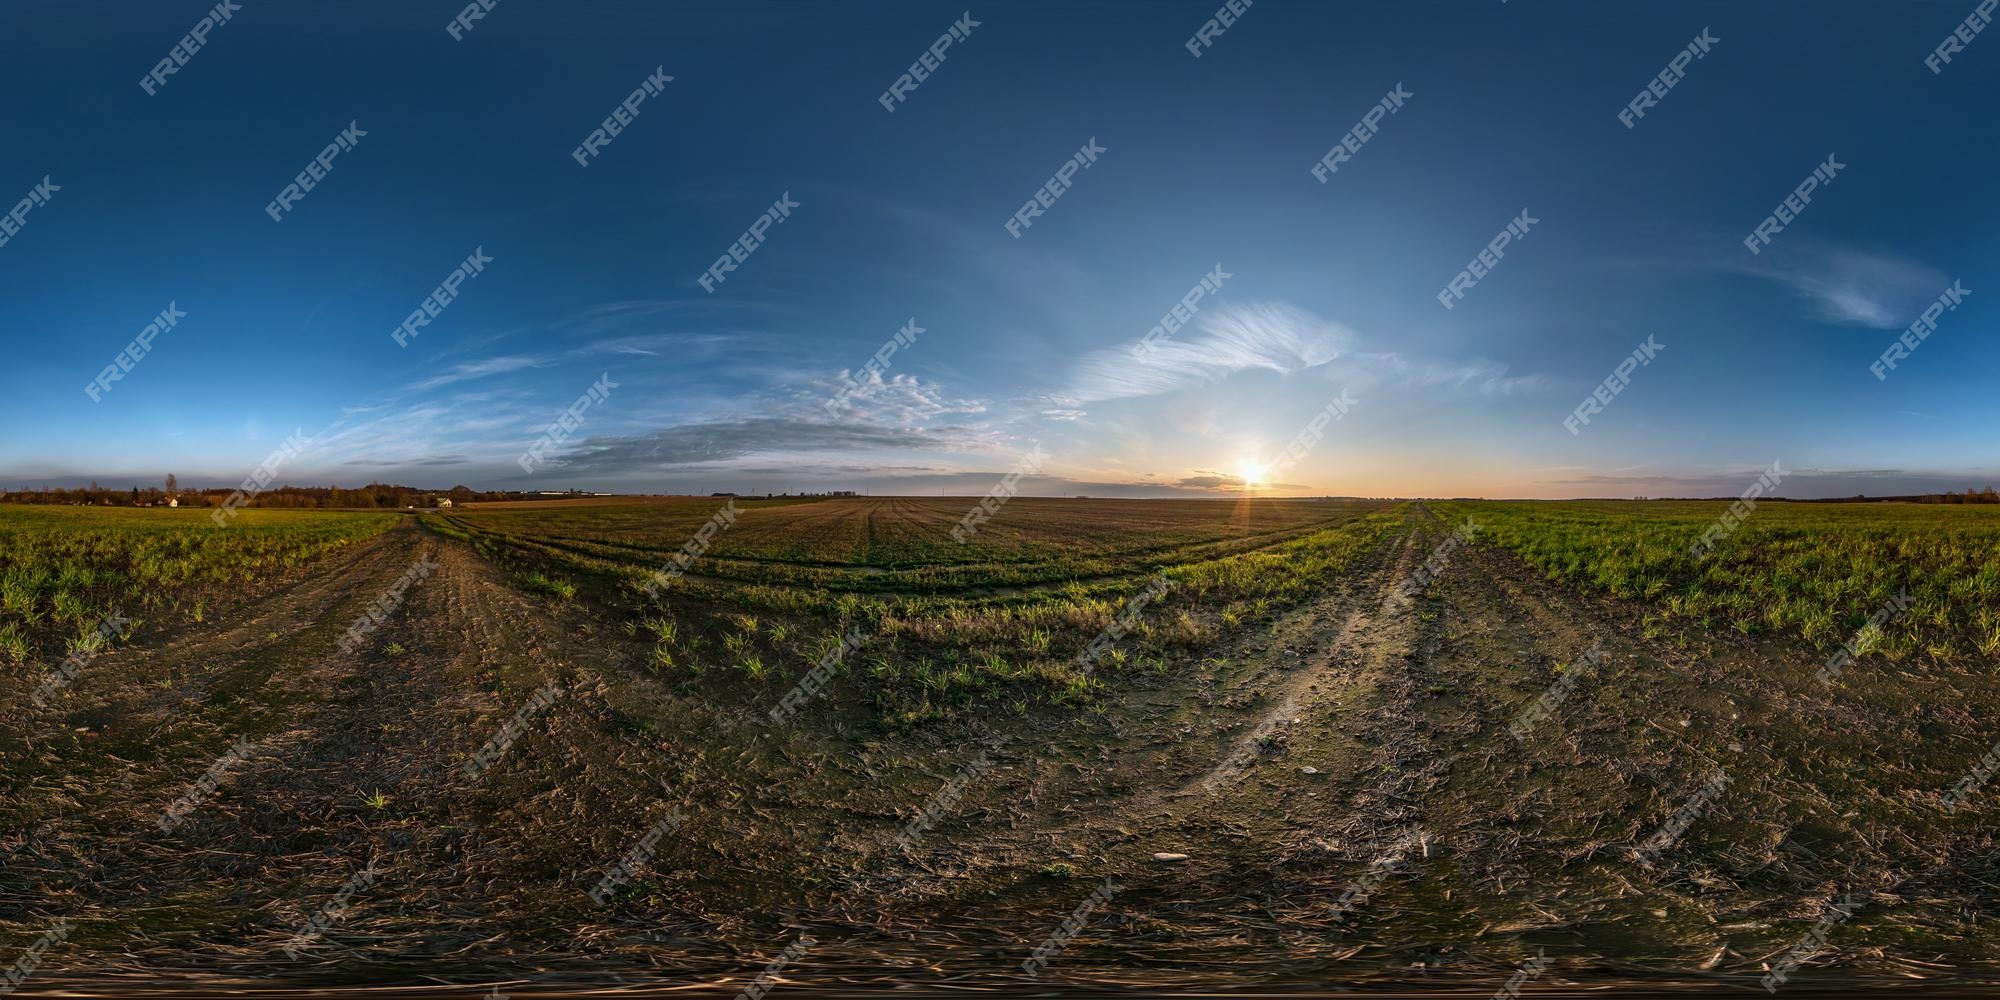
{"x":1026,"y":342}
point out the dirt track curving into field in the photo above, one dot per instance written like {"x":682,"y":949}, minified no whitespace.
{"x":1342,"y":780}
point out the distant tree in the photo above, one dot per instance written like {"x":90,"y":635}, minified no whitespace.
{"x":173,"y":485}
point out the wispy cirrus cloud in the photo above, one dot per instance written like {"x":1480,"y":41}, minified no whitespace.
{"x":897,"y":415}
{"x":900,"y":400}
{"x":1846,"y":285}
{"x":1278,"y":338}
{"x":1271,"y":337}
{"x":466,"y":370}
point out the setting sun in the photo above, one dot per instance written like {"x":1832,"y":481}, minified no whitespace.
{"x":1251,"y":473}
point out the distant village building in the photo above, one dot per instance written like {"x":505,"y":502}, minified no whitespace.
{"x":173,"y":501}
{"x":444,"y":501}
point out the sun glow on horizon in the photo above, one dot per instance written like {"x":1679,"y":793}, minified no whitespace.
{"x":1252,"y":473}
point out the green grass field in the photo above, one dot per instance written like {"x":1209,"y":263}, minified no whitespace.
{"x":995,"y":621}
{"x":1816,"y":571}
{"x":63,"y":570}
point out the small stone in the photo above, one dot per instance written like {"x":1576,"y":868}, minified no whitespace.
{"x":1308,"y":769}
{"x":1167,"y":856}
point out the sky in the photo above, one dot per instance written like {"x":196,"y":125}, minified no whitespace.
{"x":1318,"y":360}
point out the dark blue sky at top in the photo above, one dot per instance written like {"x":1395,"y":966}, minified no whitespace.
{"x":1332,"y":286}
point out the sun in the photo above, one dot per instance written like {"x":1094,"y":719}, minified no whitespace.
{"x":1251,"y":473}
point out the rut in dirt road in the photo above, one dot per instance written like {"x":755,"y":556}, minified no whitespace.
{"x":294,"y":769}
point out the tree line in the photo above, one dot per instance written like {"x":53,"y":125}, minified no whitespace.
{"x":373,"y":495}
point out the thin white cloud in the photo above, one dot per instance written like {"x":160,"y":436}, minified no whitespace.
{"x":1488,"y":378}
{"x":899,"y":400}
{"x":480,"y":369}
{"x":1276,"y":338}
{"x":1849,"y":286}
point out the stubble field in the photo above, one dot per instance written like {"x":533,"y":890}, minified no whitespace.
{"x":842,"y":737}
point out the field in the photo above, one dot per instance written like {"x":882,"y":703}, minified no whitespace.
{"x":475,"y":745}
{"x":65,"y":570}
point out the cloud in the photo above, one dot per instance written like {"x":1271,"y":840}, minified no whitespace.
{"x":1849,"y":286}
{"x":876,"y":415}
{"x":1276,"y":338}
{"x":465,"y":370}
{"x":901,"y":400}
{"x":724,"y":440}
{"x":1209,"y":480}
{"x":1488,"y":378}
{"x":1279,"y":338}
